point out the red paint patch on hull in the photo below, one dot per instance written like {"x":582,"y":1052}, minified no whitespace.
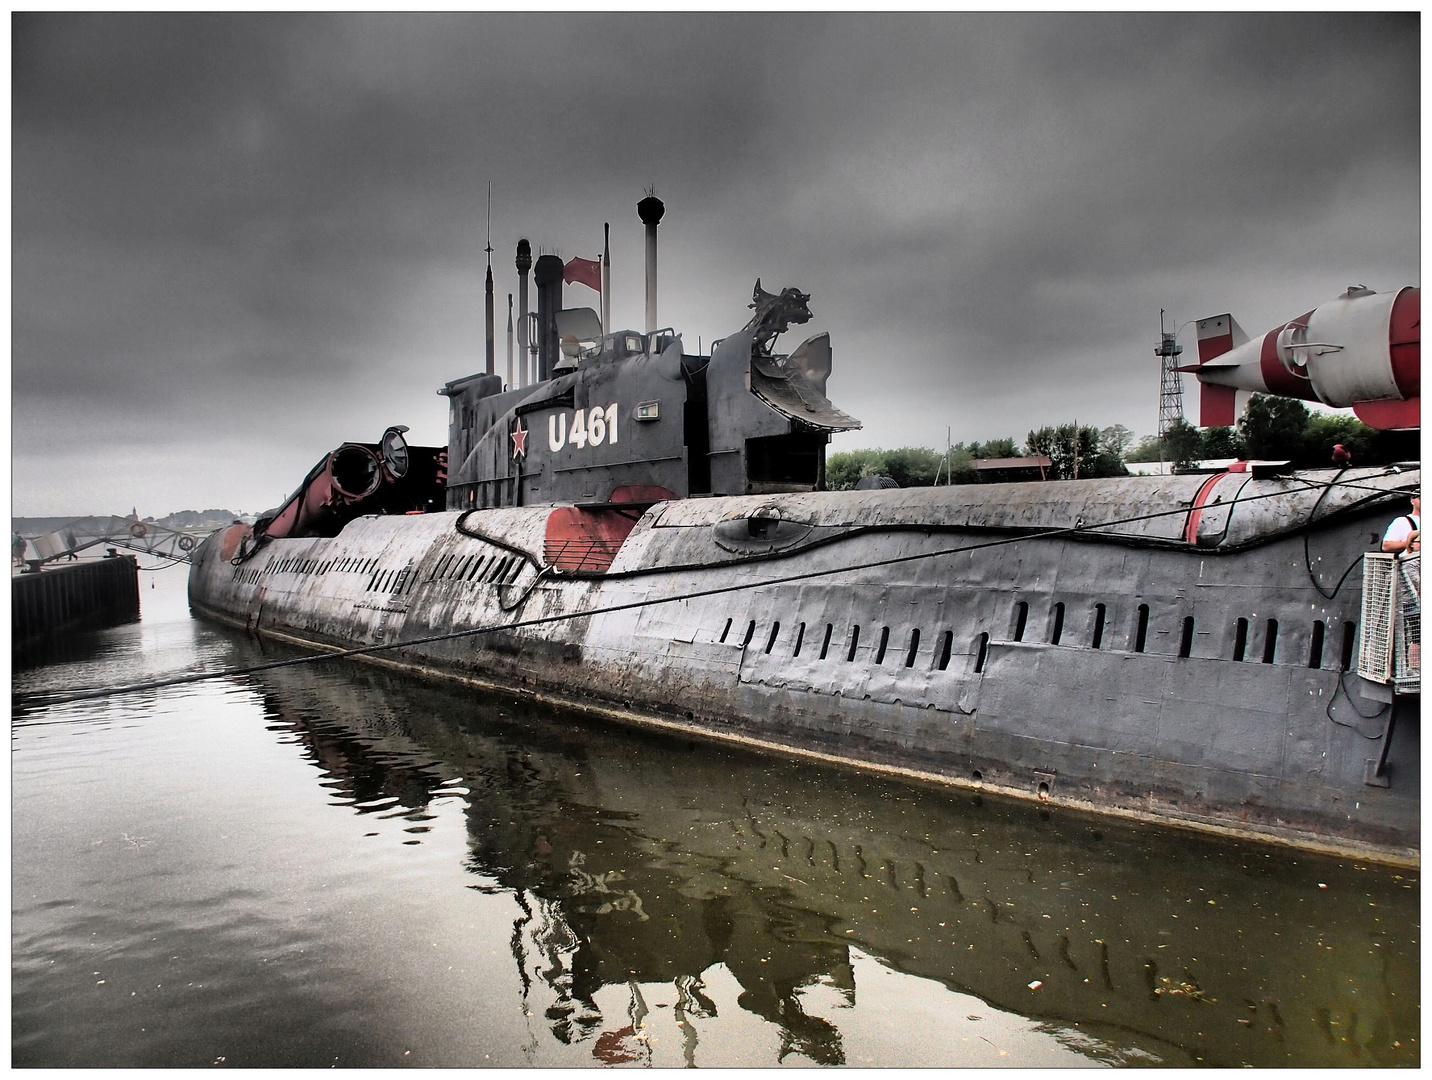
{"x":230,"y":541}
{"x":588,"y":539}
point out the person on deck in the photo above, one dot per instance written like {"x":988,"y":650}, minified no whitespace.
{"x":1403,"y":536}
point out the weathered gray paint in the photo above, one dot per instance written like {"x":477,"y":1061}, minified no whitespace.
{"x":1278,"y":749}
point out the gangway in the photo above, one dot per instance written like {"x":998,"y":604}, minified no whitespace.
{"x":66,"y":542}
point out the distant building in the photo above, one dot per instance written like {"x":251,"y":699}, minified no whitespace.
{"x":1003,"y":470}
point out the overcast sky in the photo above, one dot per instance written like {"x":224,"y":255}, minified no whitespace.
{"x":240,"y":240}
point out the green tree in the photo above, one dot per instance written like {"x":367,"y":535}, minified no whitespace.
{"x":1074,"y":452}
{"x":995,"y":448}
{"x":1117,"y":440}
{"x":1273,"y":428}
{"x":908,"y":466}
{"x":1221,"y":442}
{"x":958,"y":465}
{"x":962,"y":467}
{"x":912,"y":466}
{"x":1182,"y":444}
{"x":1149,"y":448}
{"x":1326,"y":430}
{"x":844,"y":470}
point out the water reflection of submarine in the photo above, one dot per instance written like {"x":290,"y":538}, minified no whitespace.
{"x":601,"y":911}
{"x":640,"y":861}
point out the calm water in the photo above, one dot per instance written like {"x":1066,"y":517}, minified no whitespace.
{"x":329,"y":865}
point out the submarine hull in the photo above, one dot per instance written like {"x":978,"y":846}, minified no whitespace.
{"x":1178,"y":649}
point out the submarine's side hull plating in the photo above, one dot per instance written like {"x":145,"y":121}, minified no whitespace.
{"x":1190,"y":664}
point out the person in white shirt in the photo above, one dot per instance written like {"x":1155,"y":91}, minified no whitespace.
{"x":1405,"y":532}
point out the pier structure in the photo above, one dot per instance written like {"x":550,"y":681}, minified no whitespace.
{"x":83,"y":595}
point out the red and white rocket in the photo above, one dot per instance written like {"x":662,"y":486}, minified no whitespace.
{"x":1362,"y":350}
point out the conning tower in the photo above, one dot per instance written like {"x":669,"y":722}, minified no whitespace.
{"x":631,"y":417}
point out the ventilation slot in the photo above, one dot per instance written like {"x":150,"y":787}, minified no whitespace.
{"x":884,"y":641}
{"x":1021,"y":616}
{"x":981,"y":652}
{"x":725,"y":631}
{"x":1315,"y":650}
{"x":1270,"y":642}
{"x":1099,"y":614}
{"x":1349,"y":638}
{"x":947,"y":644}
{"x":1141,"y":631}
{"x":1185,"y":643}
{"x":771,"y":642}
{"x":914,"y":648}
{"x":750,"y":633}
{"x":1240,"y":640}
{"x":1057,"y":630}
{"x":825,"y":645}
{"x":800,"y":637}
{"x":854,"y":641}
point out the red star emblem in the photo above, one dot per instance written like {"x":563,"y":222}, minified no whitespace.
{"x":519,"y":440}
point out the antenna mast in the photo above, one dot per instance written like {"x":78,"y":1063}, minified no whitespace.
{"x":491,"y":343}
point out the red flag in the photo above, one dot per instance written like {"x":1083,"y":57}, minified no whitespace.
{"x":586,"y":272}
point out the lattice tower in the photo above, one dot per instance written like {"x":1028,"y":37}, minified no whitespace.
{"x":1170,"y":382}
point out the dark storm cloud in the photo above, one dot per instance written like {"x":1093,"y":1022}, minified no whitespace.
{"x":270,"y":227}
{"x":284,"y":167}
{"x":1111,"y":155}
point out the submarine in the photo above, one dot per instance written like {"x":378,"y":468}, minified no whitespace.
{"x":643,"y":534}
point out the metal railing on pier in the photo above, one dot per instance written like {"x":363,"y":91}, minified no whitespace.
{"x":146,"y":537}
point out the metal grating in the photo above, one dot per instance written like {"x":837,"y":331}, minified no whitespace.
{"x":1407,"y":636}
{"x":1390,"y":651}
{"x":584,"y":555}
